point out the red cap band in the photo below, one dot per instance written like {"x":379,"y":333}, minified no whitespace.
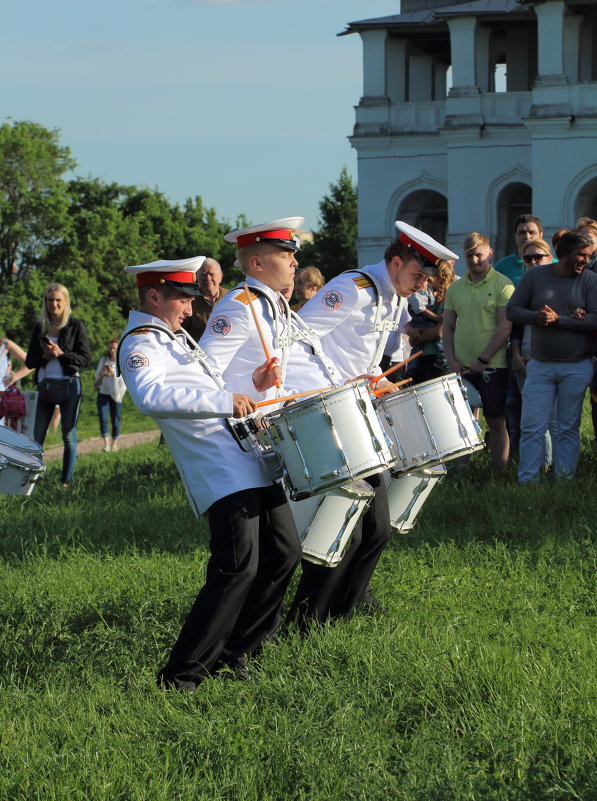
{"x":154,"y":278}
{"x":249,"y":239}
{"x":427,"y":254}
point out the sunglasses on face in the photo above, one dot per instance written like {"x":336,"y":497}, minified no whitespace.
{"x":531,"y":257}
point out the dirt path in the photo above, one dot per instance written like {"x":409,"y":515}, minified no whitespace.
{"x":97,"y":443}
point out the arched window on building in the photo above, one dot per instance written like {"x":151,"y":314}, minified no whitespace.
{"x":514,"y":199}
{"x":586,"y":202}
{"x":427,"y":210}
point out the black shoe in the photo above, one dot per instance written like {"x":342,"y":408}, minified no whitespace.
{"x":369,"y":604}
{"x":236,"y":669}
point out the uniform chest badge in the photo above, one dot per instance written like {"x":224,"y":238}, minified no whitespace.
{"x":220,"y":326}
{"x":332,"y":299}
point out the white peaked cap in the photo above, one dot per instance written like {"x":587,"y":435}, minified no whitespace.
{"x":277,"y":232}
{"x":427,"y":250}
{"x":180,"y":273}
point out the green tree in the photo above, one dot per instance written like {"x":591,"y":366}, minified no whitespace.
{"x":83,"y":233}
{"x":33,"y":196}
{"x":334,"y":243}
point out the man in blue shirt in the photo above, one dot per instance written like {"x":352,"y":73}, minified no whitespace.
{"x":526,"y":227}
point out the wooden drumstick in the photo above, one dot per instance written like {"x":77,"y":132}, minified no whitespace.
{"x":292,"y":397}
{"x":379,"y":392}
{"x":397,"y":367}
{"x":268,"y":358}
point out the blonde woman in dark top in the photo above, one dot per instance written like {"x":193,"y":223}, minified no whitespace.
{"x":58,"y":350}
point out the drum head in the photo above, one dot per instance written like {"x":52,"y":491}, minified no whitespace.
{"x":19,"y":458}
{"x":19,"y":441}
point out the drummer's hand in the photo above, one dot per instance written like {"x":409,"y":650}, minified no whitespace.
{"x":383,"y":383}
{"x":369,"y":377}
{"x":267,"y":375}
{"x":242,"y":405}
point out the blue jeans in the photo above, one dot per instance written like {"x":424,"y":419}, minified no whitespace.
{"x":552,"y":426}
{"x":565,"y":384}
{"x":107,"y":403}
{"x":69,"y":412}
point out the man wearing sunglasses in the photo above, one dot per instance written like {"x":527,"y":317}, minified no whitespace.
{"x":526,"y":227}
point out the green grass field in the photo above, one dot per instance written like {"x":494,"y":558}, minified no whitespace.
{"x":479,"y":683}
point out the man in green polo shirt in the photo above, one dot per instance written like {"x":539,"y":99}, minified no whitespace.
{"x":475,"y":336}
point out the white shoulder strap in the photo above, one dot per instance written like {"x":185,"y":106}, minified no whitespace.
{"x":197,"y":354}
{"x":381,"y":326}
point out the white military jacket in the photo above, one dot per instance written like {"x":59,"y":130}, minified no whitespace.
{"x":232,"y":343}
{"x":167,"y":383}
{"x":344,"y":315}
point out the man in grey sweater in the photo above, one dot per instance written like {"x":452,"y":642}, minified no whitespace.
{"x":559,"y":301}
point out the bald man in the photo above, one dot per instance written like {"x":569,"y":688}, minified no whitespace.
{"x":209,"y":279}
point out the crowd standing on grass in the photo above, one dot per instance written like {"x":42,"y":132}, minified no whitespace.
{"x":59,"y":349}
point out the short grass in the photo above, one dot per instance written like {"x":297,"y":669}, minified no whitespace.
{"x":479,"y":683}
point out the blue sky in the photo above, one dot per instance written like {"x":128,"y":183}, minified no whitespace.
{"x":247,"y":103}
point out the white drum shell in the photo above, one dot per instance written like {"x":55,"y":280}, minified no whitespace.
{"x":20,"y":471}
{"x":429,"y":423}
{"x":325,"y":522}
{"x":329,"y":440}
{"x":407,"y":494}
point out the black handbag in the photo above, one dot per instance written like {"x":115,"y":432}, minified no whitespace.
{"x":54,"y":391}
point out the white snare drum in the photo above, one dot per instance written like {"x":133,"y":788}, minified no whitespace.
{"x":325,"y":522}
{"x":328,"y":440}
{"x":429,"y":423}
{"x":407,"y":493}
{"x":20,"y":472}
{"x":8,"y":436}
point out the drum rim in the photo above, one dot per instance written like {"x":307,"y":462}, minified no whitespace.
{"x":436,"y":380}
{"x":20,"y":461}
{"x":301,"y":404}
{"x":28,"y":445}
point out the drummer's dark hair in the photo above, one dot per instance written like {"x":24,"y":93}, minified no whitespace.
{"x":397,"y":249}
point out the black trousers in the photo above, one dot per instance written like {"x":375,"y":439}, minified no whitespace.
{"x":254,"y":551}
{"x":325,"y":592}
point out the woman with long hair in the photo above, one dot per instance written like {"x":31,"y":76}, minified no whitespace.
{"x":58,"y":350}
{"x":110,"y":392}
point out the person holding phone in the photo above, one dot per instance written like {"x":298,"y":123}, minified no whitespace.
{"x":59,"y":349}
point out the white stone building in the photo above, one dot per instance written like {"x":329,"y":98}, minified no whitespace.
{"x":472,"y":158}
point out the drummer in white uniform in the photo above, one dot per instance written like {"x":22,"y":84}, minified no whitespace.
{"x":353,"y":315}
{"x":232,"y":340}
{"x":254,"y":544}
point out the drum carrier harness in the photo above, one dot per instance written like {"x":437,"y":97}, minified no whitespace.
{"x":196,"y":353}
